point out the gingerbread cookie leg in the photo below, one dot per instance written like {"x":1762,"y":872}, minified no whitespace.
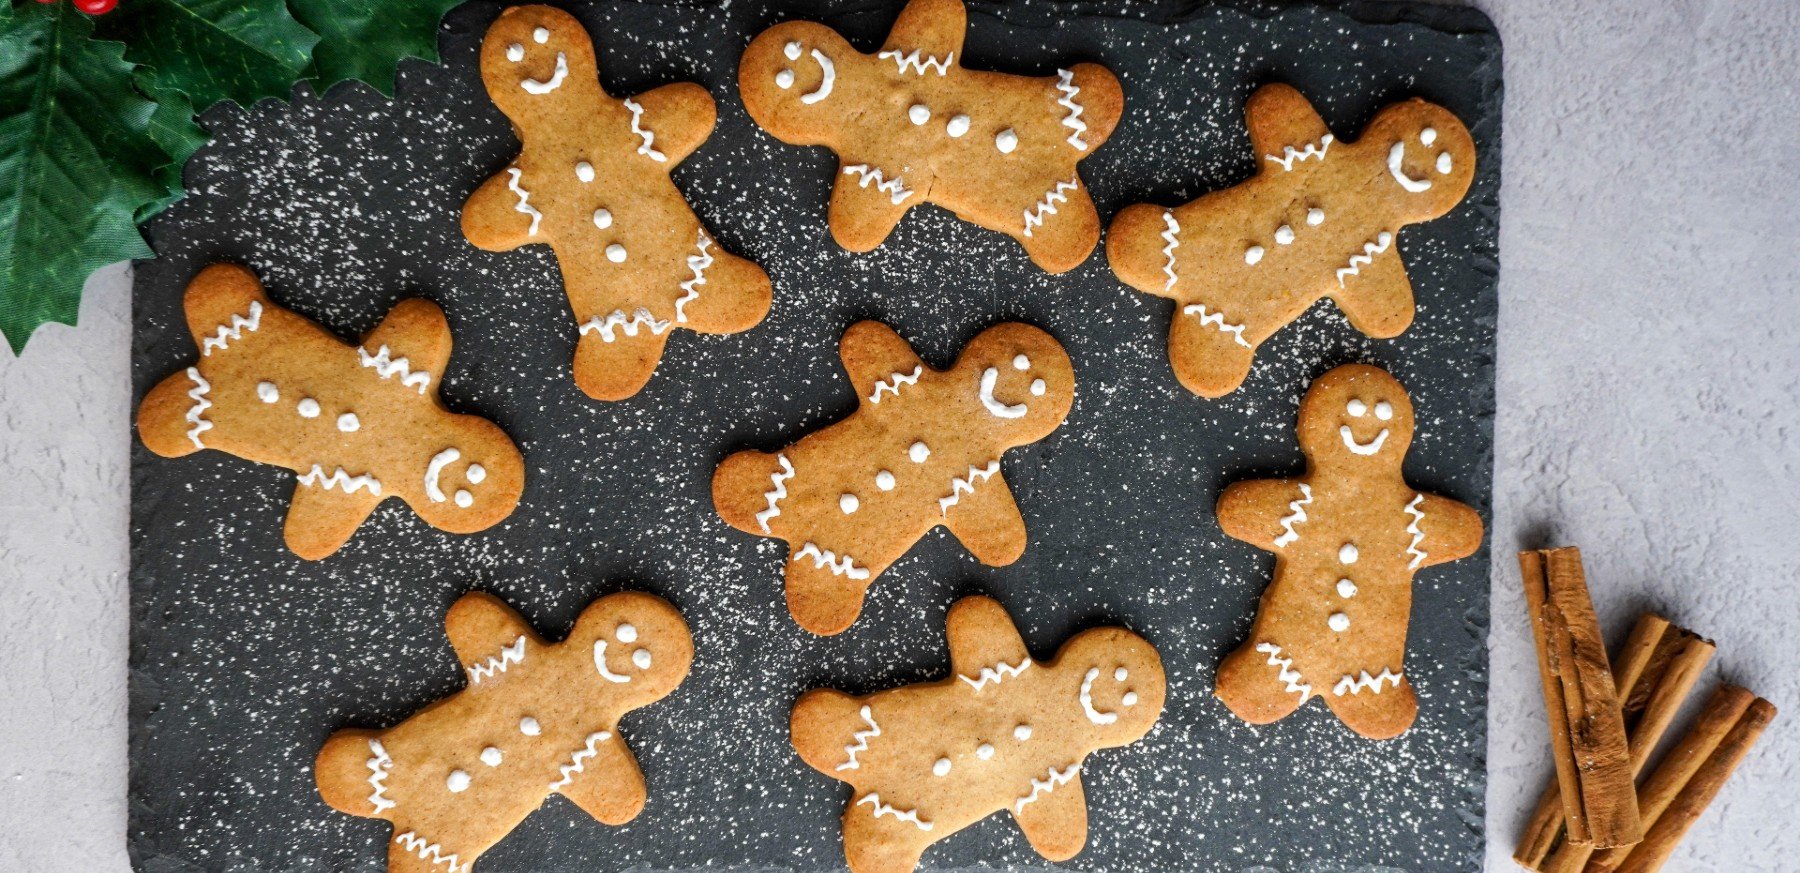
{"x":617,"y":354}
{"x":1060,"y":226}
{"x":881,"y":843}
{"x":823,"y":590}
{"x":1379,"y":707}
{"x":1209,"y":355}
{"x":1258,"y":683}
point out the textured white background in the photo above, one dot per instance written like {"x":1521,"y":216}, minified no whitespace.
{"x":1649,"y":411}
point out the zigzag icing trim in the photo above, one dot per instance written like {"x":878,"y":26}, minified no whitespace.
{"x":497,"y":664}
{"x":1053,"y":778}
{"x":1288,"y":674}
{"x":429,"y":851}
{"x":387,"y":369}
{"x":1291,"y":155}
{"x":966,"y":485}
{"x":1065,"y":82}
{"x":578,"y":762}
{"x":1356,"y":684}
{"x":233,"y":330}
{"x":1418,"y":536}
{"x":196,"y":414}
{"x":862,"y":741}
{"x":892,"y":384}
{"x":1296,"y":515}
{"x":338,"y":478}
{"x":1217,"y":319}
{"x":996,"y":674}
{"x":1034,"y":217}
{"x":618,"y":320}
{"x":881,"y":809}
{"x":777,"y":492}
{"x":1370,"y":250}
{"x":698,"y":264}
{"x":524,"y":204}
{"x":379,"y":767}
{"x":1171,"y":228}
{"x":648,"y":136}
{"x":894,"y":188}
{"x":918,"y":62}
{"x":840,"y":566}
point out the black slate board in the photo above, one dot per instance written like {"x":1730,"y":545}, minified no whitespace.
{"x":244,"y":658}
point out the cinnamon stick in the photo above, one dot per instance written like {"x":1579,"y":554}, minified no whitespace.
{"x":1587,"y":726}
{"x":1652,"y":673}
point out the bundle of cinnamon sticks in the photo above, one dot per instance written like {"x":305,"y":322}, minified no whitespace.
{"x":1606,"y":719}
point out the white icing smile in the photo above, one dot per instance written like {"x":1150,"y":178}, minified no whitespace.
{"x":600,"y":664}
{"x":534,"y":86}
{"x":1397,"y":156}
{"x":827,"y":74}
{"x":995,"y":407}
{"x":1368,"y":448}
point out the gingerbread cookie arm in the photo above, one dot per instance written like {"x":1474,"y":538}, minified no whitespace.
{"x":1280,"y":120}
{"x":1055,"y":823}
{"x":412,"y":344}
{"x":879,"y":361}
{"x":724,"y":293}
{"x":492,"y":220}
{"x":866,"y":205}
{"x":343,"y":772}
{"x":984,"y":643}
{"x":678,"y":117}
{"x":611,"y":788}
{"x":881,"y":844}
{"x":1373,"y":291}
{"x":321,"y":519}
{"x":488,"y":635}
{"x":1266,"y":513}
{"x":1451,"y":530}
{"x":933,"y":28}
{"x":1208,"y":357}
{"x":824,"y":722}
{"x":987,"y":522}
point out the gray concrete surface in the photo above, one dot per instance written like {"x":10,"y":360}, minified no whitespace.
{"x":1649,"y":411}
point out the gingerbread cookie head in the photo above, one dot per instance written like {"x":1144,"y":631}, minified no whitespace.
{"x":642,"y":647}
{"x":1023,"y":379}
{"x":787,"y":75}
{"x":1121,"y":684}
{"x":1430,"y":157}
{"x":1356,"y":415}
{"x":537,"y":59}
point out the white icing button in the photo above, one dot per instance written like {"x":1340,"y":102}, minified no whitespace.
{"x":602,"y":219}
{"x":1022,"y":733}
{"x":1339,"y":622}
{"x":626,"y":633}
{"x":464,"y":499}
{"x":1384,"y":410}
{"x":348,"y":422}
{"x":918,"y":113}
{"x":984,"y":751}
{"x":918,"y":452}
{"x":784,"y":79}
{"x":884,"y":480}
{"x":848,"y":503}
{"x":958,"y":125}
{"x":475,"y":474}
{"x":1356,"y":408}
{"x":1315,"y":217}
{"x":1006,"y":141}
{"x":458,"y":782}
{"x":614,"y":252}
{"x":542,"y":35}
{"x":641,"y":658}
{"x":1428,"y":136}
{"x":1347,"y":554}
{"x":1021,"y":362}
{"x":1346,"y":588}
{"x":941,"y":768}
{"x":490,"y":756}
{"x":1120,"y":674}
{"x":1038,"y":387}
{"x":792,"y":50}
{"x":1253,"y":254}
{"x":1284,"y":235}
{"x":1444,"y":163}
{"x":584,"y":171}
{"x":308,"y":408}
{"x":529,"y":726}
{"x":515,"y":53}
{"x":1130,"y":698}
{"x":267,"y":392}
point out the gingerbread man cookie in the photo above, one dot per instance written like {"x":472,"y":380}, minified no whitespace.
{"x":536,"y":719}
{"x":1004,"y":733}
{"x":358,"y":424}
{"x":911,"y":126}
{"x":1321,"y":218}
{"x":922,"y":449}
{"x":592,"y":181}
{"x":1347,"y":538}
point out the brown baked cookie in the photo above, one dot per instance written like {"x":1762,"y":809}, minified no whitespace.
{"x":1321,"y":218}
{"x":359,"y":424}
{"x":922,"y":449}
{"x":1003,"y":733}
{"x":536,"y":719}
{"x":911,"y":125}
{"x":592,"y":181}
{"x":1347,"y":538}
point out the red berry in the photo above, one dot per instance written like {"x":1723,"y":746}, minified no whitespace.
{"x":96,"y":7}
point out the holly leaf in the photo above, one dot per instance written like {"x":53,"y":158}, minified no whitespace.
{"x":76,"y":163}
{"x":172,"y":127}
{"x":366,"y":39}
{"x":212,"y":50}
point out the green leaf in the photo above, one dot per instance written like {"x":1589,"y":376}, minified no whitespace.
{"x":212,"y":50}
{"x":365,"y":39}
{"x":76,"y":162}
{"x":172,"y":127}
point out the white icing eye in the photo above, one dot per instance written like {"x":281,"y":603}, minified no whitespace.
{"x":464,"y":499}
{"x":1022,"y":733}
{"x":348,"y":422}
{"x":1120,"y":674}
{"x":792,"y":50}
{"x":784,"y":79}
{"x":1284,"y":235}
{"x":941,"y":768}
{"x":475,"y":474}
{"x":626,"y":633}
{"x":1428,"y":136}
{"x":1315,"y":217}
{"x":1006,"y":141}
{"x":541,"y":35}
{"x":1346,"y":588}
{"x":918,"y":113}
{"x":1384,"y":410}
{"x":918,"y":453}
{"x":490,"y":756}
{"x":615,"y":253}
{"x":1038,"y":387}
{"x":529,"y":726}
{"x":1253,"y":254}
{"x":1356,"y":408}
{"x":641,"y":658}
{"x":458,"y":782}
{"x":602,"y":219}
{"x":584,"y":171}
{"x":848,"y":503}
{"x":308,"y":408}
{"x":1338,"y":622}
{"x":1347,"y":554}
{"x":1021,"y":362}
{"x":1444,"y":162}
{"x":515,"y":53}
{"x":984,"y":751}
{"x":884,"y":480}
{"x":267,"y":392}
{"x":1130,"y":698}
{"x":958,"y":125}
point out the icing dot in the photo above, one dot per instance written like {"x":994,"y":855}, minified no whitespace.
{"x":918,"y":452}
{"x":641,"y":658}
{"x":848,"y":503}
{"x":984,"y":751}
{"x":1347,"y":554}
{"x":475,"y":474}
{"x":1021,"y":362}
{"x":1444,"y":162}
{"x":348,"y":422}
{"x":1384,"y":410}
{"x":792,"y":50}
{"x":1130,"y":698}
{"x":1315,"y":217}
{"x":1339,"y":622}
{"x":1022,"y":733}
{"x":529,"y":726}
{"x":1006,"y":141}
{"x":584,"y":171}
{"x":308,"y":408}
{"x":1346,"y":588}
{"x":614,"y":252}
{"x":541,"y":35}
{"x":1284,"y":235}
{"x":784,"y":79}
{"x":515,"y":53}
{"x":1384,"y":238}
{"x":918,"y":113}
{"x":626,"y":633}
{"x":1038,"y":387}
{"x":1120,"y":674}
{"x":490,"y":756}
{"x":602,"y":219}
{"x":1253,"y":254}
{"x":959,"y":125}
{"x":267,"y":392}
{"x":458,"y":782}
{"x":1428,"y":136}
{"x":884,"y":480}
{"x":941,"y":768}
{"x":1356,"y":408}
{"x":464,"y":499}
